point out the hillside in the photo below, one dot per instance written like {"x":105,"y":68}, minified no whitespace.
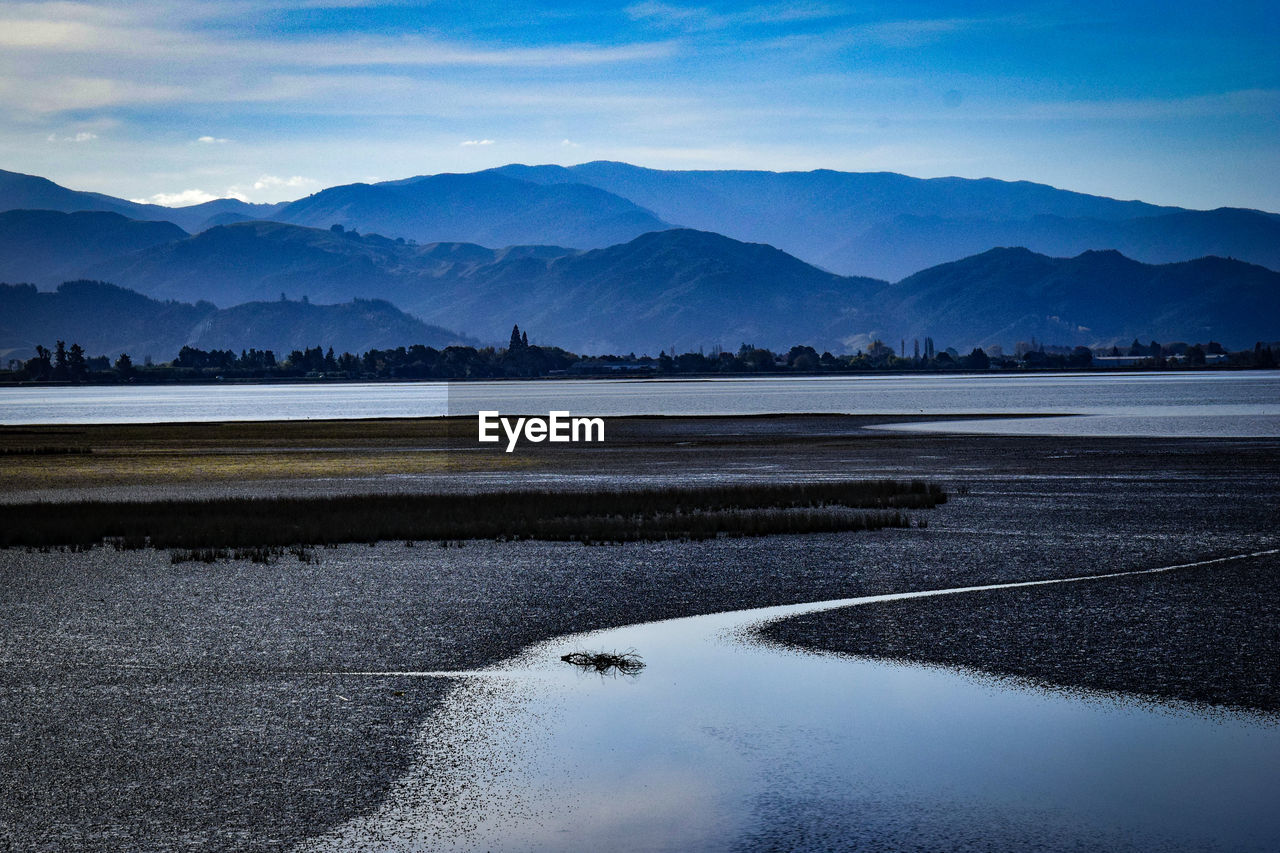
{"x":106,"y":319}
{"x":485,"y":208}
{"x":889,"y":225}
{"x":678,"y":288}
{"x":31,"y":192}
{"x":1005,"y":295}
{"x":46,"y":247}
{"x":675,"y":287}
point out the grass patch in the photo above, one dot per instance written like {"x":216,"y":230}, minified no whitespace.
{"x":583,"y":516}
{"x":265,"y":554}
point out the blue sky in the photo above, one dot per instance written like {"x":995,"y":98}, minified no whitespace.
{"x":181,"y":100}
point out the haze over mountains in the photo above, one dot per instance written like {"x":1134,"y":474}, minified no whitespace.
{"x":877,"y":224}
{"x":587,"y":258}
{"x":29,"y":192}
{"x":109,"y":320}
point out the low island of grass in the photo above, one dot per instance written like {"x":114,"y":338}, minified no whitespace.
{"x":202,"y":527}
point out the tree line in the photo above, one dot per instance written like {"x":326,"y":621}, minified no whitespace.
{"x":522,"y":359}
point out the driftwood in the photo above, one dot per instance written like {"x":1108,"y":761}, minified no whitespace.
{"x":606,"y":663}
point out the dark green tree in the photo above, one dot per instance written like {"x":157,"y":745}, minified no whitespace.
{"x":1080,"y":357}
{"x":977,"y":360}
{"x":60,"y":360}
{"x":76,"y":367}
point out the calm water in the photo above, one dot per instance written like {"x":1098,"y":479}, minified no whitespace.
{"x":1212,"y":404}
{"x":720,"y":741}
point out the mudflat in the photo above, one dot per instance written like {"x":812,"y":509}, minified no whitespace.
{"x":153,"y":705}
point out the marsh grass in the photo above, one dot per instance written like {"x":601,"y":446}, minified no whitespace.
{"x":592,"y":517}
{"x":257,"y":554}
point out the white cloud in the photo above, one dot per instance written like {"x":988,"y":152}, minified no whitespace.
{"x":162,"y":34}
{"x":271,"y":182}
{"x":569,"y":143}
{"x":696,"y":18}
{"x":83,"y":136}
{"x":56,"y":93}
{"x":185,"y":198}
{"x":212,"y":140}
{"x":477,"y":142}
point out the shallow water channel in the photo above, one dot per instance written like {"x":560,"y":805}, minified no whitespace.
{"x":723,"y":742}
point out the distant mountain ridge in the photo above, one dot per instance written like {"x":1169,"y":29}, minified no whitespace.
{"x":879,"y":224}
{"x":46,"y":247}
{"x":482,"y":207}
{"x":688,"y":289}
{"x":888,"y":225}
{"x":657,"y":286}
{"x":674,"y":287}
{"x":31,"y":192}
{"x":1005,"y":295}
{"x":106,"y":319}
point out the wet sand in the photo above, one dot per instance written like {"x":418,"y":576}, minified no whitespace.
{"x":1209,"y":634}
{"x":160,"y":707}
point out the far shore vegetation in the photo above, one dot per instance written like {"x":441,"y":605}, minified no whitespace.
{"x":520,"y":359}
{"x":258,"y":528}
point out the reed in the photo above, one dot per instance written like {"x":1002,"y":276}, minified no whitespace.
{"x":591,"y":516}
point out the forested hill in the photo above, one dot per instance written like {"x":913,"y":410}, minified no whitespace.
{"x":106,"y":319}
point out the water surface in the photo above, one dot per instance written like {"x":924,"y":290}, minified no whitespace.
{"x":723,"y":743}
{"x":1170,"y":404}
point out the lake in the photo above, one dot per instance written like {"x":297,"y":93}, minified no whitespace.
{"x":1245,"y":404}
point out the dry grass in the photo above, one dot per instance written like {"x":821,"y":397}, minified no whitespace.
{"x":117,"y":455}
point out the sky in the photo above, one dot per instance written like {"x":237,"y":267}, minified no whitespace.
{"x":180,"y":101}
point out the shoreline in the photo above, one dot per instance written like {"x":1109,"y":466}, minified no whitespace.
{"x":634,"y":376}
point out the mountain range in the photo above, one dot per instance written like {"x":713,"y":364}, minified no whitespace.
{"x":600,"y":288}
{"x":30,"y":192}
{"x":676,"y":289}
{"x":877,"y":224}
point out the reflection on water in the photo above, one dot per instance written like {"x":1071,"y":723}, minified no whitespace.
{"x":1219,"y":404}
{"x":719,"y":741}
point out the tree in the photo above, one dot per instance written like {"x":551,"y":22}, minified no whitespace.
{"x":517,"y":342}
{"x":60,"y":360}
{"x":124,"y":365}
{"x":76,"y":366}
{"x":803,"y":358}
{"x":39,"y":368}
{"x":977,"y":360}
{"x":1080,"y":357}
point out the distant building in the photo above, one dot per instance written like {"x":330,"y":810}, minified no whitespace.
{"x":1120,"y":360}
